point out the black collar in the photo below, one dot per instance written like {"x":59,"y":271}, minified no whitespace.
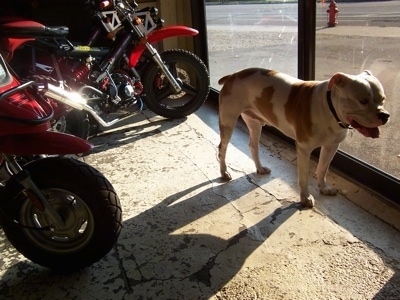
{"x":341,"y":124}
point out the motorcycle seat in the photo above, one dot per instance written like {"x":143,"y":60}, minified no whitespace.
{"x":25,"y":28}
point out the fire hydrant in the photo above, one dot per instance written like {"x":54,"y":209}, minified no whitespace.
{"x":332,"y":12}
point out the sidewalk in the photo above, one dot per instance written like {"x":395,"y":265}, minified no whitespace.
{"x":366,"y":31}
{"x":187,"y":235}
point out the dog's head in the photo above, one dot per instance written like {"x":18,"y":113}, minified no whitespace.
{"x":359,"y":100}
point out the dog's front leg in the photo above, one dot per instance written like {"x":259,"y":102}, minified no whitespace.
{"x":326,"y":155}
{"x":303,"y":165}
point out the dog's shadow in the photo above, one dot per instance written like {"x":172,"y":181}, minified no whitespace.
{"x":156,"y":255}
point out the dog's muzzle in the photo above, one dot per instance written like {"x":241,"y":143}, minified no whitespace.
{"x":384,"y":117}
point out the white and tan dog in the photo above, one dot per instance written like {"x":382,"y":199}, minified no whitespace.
{"x":313,"y":113}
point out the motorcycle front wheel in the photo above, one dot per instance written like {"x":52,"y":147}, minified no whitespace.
{"x":192,"y":75}
{"x":84,"y":199}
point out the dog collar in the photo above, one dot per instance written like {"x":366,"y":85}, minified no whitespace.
{"x":332,"y":109}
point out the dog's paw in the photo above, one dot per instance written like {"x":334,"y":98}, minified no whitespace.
{"x":327,"y":190}
{"x":307,"y":200}
{"x":263,"y":170}
{"x":226,"y":176}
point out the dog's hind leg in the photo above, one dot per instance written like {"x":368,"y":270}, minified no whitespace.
{"x":227,"y":123}
{"x":255,"y":129}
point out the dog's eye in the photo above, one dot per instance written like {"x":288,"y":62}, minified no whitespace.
{"x":364,"y":101}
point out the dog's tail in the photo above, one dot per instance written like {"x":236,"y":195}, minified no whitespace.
{"x":223,"y":79}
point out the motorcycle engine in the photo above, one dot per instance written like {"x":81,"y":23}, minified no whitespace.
{"x":123,"y":90}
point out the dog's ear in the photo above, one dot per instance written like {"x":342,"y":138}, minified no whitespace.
{"x":337,"y":79}
{"x":222,"y":80}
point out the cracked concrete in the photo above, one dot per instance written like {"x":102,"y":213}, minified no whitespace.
{"x":188,"y":235}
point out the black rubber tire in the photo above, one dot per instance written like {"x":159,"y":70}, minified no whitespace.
{"x":193,"y":75}
{"x":81,"y":195}
{"x":76,"y":122}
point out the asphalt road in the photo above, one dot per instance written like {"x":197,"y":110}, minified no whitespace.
{"x":382,"y":13}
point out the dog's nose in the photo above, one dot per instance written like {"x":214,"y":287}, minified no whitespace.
{"x":384,"y":117}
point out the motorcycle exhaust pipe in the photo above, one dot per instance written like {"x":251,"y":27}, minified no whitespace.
{"x":71,"y":99}
{"x":76,"y":101}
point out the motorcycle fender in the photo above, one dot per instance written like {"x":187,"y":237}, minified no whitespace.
{"x":46,"y":142}
{"x":159,"y":35}
{"x":9,"y":45}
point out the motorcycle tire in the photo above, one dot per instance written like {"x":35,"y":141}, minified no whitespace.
{"x":190,"y":72}
{"x":84,"y":199}
{"x":74,"y":122}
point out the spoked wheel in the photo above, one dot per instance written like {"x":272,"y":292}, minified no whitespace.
{"x":191,"y":74}
{"x":84,"y":200}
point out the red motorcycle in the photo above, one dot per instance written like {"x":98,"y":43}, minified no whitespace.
{"x":58,"y":212}
{"x":114,"y":81}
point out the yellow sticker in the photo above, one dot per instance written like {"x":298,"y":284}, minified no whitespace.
{"x":83,"y":48}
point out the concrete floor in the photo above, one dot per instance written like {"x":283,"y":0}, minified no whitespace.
{"x":187,"y":235}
